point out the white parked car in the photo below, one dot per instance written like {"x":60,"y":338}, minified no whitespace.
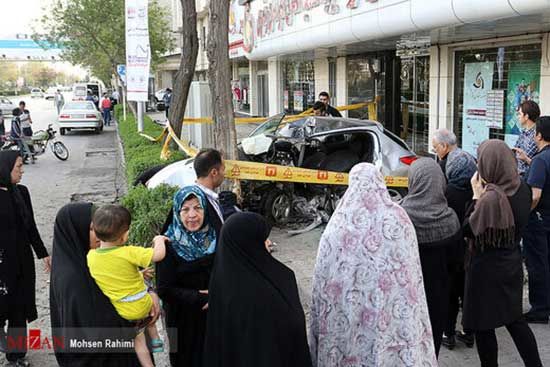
{"x":37,"y":93}
{"x":6,"y":106}
{"x":79,"y":115}
{"x":50,"y":93}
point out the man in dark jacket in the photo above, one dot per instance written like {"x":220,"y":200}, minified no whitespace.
{"x":330,"y":111}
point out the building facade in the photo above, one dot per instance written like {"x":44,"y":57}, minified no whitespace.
{"x":427,"y":64}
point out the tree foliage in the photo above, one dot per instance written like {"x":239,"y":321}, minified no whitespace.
{"x":91,"y":33}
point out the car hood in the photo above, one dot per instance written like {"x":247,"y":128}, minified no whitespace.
{"x":178,"y":174}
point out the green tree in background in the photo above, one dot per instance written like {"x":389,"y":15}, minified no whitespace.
{"x":91,"y":33}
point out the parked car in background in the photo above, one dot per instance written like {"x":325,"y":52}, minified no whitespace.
{"x":50,"y":93}
{"x":80,"y":115}
{"x":159,"y":99}
{"x":37,"y":93}
{"x":6,"y":106}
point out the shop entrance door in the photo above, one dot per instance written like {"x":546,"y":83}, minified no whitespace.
{"x":414,"y":102}
{"x":263,"y":95}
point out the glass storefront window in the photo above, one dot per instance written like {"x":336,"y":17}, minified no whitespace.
{"x":514,"y":70}
{"x":241,"y":89}
{"x":414,"y":103}
{"x":298,"y":86}
{"x":366,"y":83}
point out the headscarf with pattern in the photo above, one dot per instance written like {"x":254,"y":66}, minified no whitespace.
{"x":191,"y":245}
{"x":459,"y":169}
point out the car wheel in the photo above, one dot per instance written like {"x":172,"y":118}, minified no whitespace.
{"x":277,"y":206}
{"x":62,"y":131}
{"x":101,"y":127}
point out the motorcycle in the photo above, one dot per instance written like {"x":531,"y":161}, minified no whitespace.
{"x":39,"y":143}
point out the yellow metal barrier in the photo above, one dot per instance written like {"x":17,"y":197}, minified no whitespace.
{"x":309,"y":112}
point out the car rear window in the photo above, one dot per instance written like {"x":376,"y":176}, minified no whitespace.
{"x":393,"y":137}
{"x":80,"y":91}
{"x":79,"y":106}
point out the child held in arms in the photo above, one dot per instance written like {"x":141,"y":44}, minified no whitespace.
{"x":115,"y":269}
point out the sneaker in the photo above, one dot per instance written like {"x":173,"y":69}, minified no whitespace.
{"x":535,"y":318}
{"x":449,"y":342}
{"x":466,"y":338}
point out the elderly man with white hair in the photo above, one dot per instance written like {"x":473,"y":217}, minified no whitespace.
{"x":443,"y":142}
{"x":459,"y":167}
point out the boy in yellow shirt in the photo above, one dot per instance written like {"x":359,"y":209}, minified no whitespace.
{"x":115,"y":269}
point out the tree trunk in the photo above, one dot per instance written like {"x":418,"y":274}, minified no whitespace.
{"x":186,"y":71}
{"x":219,"y":78}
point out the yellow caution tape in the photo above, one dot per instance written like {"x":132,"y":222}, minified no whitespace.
{"x":157,"y":139}
{"x":271,"y":172}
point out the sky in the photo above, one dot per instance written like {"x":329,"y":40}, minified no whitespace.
{"x":18,"y":16}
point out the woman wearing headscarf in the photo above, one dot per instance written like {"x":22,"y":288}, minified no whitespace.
{"x":17,"y":273}
{"x":459,"y":168}
{"x":255,"y":317}
{"x":438,"y":233}
{"x":493,"y":292}
{"x":78,"y":309}
{"x":184,"y":274}
{"x":368,"y":300}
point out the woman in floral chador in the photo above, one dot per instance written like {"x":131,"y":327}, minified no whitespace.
{"x":369,"y":306}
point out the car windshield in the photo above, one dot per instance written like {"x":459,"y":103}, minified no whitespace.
{"x":5,"y":101}
{"x":79,"y":106}
{"x":270,"y":126}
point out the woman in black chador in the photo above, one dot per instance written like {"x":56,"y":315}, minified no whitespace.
{"x":255,"y":317}
{"x":17,"y":274}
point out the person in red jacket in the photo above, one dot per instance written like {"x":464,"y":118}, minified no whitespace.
{"x":106,"y":109}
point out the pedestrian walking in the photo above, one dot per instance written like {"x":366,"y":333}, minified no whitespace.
{"x":106,"y":109}
{"x":255,"y":317}
{"x":536,"y":238}
{"x":183,"y":276}
{"x":25,"y":119}
{"x":167,"y":99}
{"x":78,"y":308}
{"x":368,"y":300}
{"x":494,"y":222}
{"x":59,"y":101}
{"x":459,"y":168}
{"x":16,"y":134}
{"x":438,"y":233}
{"x":525,"y":147}
{"x":20,"y":238}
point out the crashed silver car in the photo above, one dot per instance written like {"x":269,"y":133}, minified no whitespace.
{"x":320,"y":143}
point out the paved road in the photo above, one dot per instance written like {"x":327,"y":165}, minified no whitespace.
{"x":91,"y":173}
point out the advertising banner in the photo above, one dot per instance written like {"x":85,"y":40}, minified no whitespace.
{"x":138,"y":52}
{"x":478,"y":80}
{"x":298,"y":100}
{"x":523,"y":85}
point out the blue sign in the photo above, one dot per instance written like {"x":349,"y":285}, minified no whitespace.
{"x":121,"y":70}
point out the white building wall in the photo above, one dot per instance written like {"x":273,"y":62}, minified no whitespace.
{"x":545,"y":76}
{"x":341,"y":84}
{"x":321,"y":76}
{"x":275,"y":78}
{"x":253,"y":88}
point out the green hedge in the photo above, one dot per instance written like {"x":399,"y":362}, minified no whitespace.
{"x":139,"y":152}
{"x":148,"y":207}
